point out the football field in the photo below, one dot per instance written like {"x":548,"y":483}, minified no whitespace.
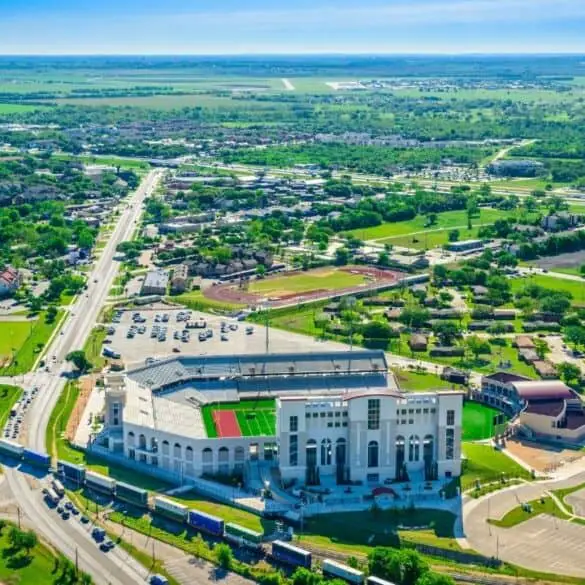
{"x":247,"y":418}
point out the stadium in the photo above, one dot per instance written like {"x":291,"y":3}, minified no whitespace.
{"x":326,"y":417}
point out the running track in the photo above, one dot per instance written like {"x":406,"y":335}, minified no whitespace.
{"x":226,"y":423}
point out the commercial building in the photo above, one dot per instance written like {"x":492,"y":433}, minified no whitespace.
{"x":318,"y":417}
{"x":10,"y":279}
{"x":156,"y":282}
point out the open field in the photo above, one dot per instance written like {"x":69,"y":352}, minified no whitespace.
{"x":253,"y":418}
{"x":485,"y":464}
{"x":447,"y":220}
{"x":198,"y":301}
{"x":413,"y":381}
{"x":26,"y":340}
{"x":430,"y":239}
{"x":478,"y":421}
{"x":17,"y":108}
{"x":282,"y":290}
{"x":576,"y":288}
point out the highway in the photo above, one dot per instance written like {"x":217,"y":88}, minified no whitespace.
{"x":71,"y":537}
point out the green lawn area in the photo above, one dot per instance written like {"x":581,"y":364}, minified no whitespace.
{"x":379,"y":528}
{"x":413,"y":381}
{"x":18,"y":108}
{"x":198,"y":302}
{"x":518,"y":515}
{"x":28,"y":338}
{"x":38,"y":569}
{"x":9,"y":395}
{"x":320,"y":279}
{"x":447,"y":220}
{"x":94,"y":345}
{"x":486,"y":464}
{"x":113,"y":161}
{"x":255,"y":417}
{"x":576,"y":288}
{"x":430,"y":239}
{"x":478,"y":421}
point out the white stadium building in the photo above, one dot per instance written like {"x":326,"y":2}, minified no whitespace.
{"x":326,"y":417}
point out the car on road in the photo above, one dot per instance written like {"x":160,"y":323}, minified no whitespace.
{"x":65,"y":515}
{"x":84,"y":520}
{"x":249,"y":330}
{"x":224,"y":337}
{"x":176,"y":350}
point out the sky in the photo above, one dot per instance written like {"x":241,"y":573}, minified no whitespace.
{"x":174,"y":27}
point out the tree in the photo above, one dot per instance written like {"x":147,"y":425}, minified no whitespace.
{"x":341,"y":256}
{"x":453,"y":235}
{"x":575,"y":334}
{"x":446,"y":331}
{"x":582,"y":270}
{"x":433,"y":578}
{"x":303,"y":576}
{"x":568,"y":372}
{"x":260,"y":270}
{"x":79,"y":360}
{"x":477,"y":345}
{"x":377,"y":334}
{"x":223,"y":555}
{"x":557,"y":304}
{"x":51,"y":314}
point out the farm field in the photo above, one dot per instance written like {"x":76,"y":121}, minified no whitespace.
{"x":254,"y":418}
{"x":447,"y":220}
{"x":576,"y":288}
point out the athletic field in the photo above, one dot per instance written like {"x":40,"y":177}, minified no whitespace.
{"x":478,"y":421}
{"x":248,"y":418}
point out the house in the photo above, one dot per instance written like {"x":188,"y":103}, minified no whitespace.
{"x":454,"y":375}
{"x":545,"y":369}
{"x":559,"y":221}
{"x":155,"y":282}
{"x":10,"y":280}
{"x":180,"y":277}
{"x":418,"y":342}
{"x":479,"y":290}
{"x":524,"y":341}
{"x":447,"y":351}
{"x":505,"y":314}
{"x":393,"y":314}
{"x":528,"y":355}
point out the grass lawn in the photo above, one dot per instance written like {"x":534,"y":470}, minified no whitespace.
{"x":379,"y":528}
{"x":486,"y":464}
{"x":320,"y":279}
{"x":196,"y":301}
{"x":518,"y":515}
{"x":28,"y":338}
{"x":431,"y":239}
{"x":447,"y":220}
{"x":38,"y":569}
{"x":478,"y":421}
{"x":93,"y":347}
{"x":576,"y":288}
{"x":18,"y":108}
{"x":9,"y":395}
{"x":255,"y":417}
{"x":413,"y":381}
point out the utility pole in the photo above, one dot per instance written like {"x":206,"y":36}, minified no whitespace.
{"x":76,"y":562}
{"x":18,"y":513}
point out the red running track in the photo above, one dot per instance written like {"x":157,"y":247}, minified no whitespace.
{"x":226,"y":423}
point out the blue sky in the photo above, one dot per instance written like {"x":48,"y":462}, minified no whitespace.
{"x":296,"y":26}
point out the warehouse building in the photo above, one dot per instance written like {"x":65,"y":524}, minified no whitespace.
{"x":318,"y":417}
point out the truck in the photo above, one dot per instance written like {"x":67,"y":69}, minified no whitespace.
{"x":36,"y":458}
{"x":242,"y":535}
{"x":11,"y":448}
{"x":291,"y":555}
{"x":132,"y":495}
{"x":58,"y":487}
{"x":99,"y":483}
{"x":51,"y":497}
{"x":199,"y":324}
{"x":15,"y":408}
{"x":206,"y":522}
{"x":111,"y":353}
{"x":171,"y":509}
{"x":333,"y":569}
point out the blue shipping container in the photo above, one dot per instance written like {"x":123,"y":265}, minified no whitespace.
{"x":206,"y":522}
{"x":72,"y":472}
{"x":36,"y":458}
{"x":291,"y":555}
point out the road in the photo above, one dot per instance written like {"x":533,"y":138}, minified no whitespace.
{"x":287,"y":84}
{"x":70,"y":537}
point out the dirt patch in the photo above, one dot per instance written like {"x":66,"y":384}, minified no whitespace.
{"x":86,"y":385}
{"x":542,"y":457}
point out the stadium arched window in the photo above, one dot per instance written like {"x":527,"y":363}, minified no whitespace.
{"x":428,"y":448}
{"x":373,"y":452}
{"x":207,"y":455}
{"x":326,"y":452}
{"x":189,"y":453}
{"x":239,"y":454}
{"x":414,"y":448}
{"x":399,"y":447}
{"x":340,"y":452}
{"x":311,"y":453}
{"x":223,"y":454}
{"x":177,"y":451}
{"x":141,"y":441}
{"x":130,"y":440}
{"x":165,"y":447}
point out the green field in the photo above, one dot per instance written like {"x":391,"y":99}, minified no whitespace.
{"x":478,"y":421}
{"x":197,"y":301}
{"x":8,"y":397}
{"x":17,"y":108}
{"x":413,"y":381}
{"x":576,"y":288}
{"x":25,"y":340}
{"x":430,"y":239}
{"x":447,"y":220}
{"x":320,"y":279}
{"x":256,"y":418}
{"x":486,"y":464}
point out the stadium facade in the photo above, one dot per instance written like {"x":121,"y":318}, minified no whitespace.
{"x":337,"y":416}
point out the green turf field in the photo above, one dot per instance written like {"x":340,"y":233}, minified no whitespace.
{"x":256,"y":418}
{"x":320,"y":279}
{"x":575,"y":287}
{"x":478,"y":421}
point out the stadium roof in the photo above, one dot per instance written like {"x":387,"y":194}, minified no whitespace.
{"x":173,"y":371}
{"x":543,"y":390}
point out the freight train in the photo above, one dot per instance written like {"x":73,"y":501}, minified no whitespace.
{"x":21,"y":453}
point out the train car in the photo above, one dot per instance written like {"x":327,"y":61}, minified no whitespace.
{"x":58,"y":487}
{"x":334,"y":570}
{"x":377,"y":581}
{"x":288,"y":554}
{"x":100,"y":483}
{"x":11,"y":448}
{"x":242,"y":535}
{"x":172,"y":510}
{"x":71,"y":472}
{"x":206,"y":523}
{"x":132,"y":495}
{"x":37,"y":459}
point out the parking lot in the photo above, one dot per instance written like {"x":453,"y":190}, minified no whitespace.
{"x":169,"y":337}
{"x":14,"y":424}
